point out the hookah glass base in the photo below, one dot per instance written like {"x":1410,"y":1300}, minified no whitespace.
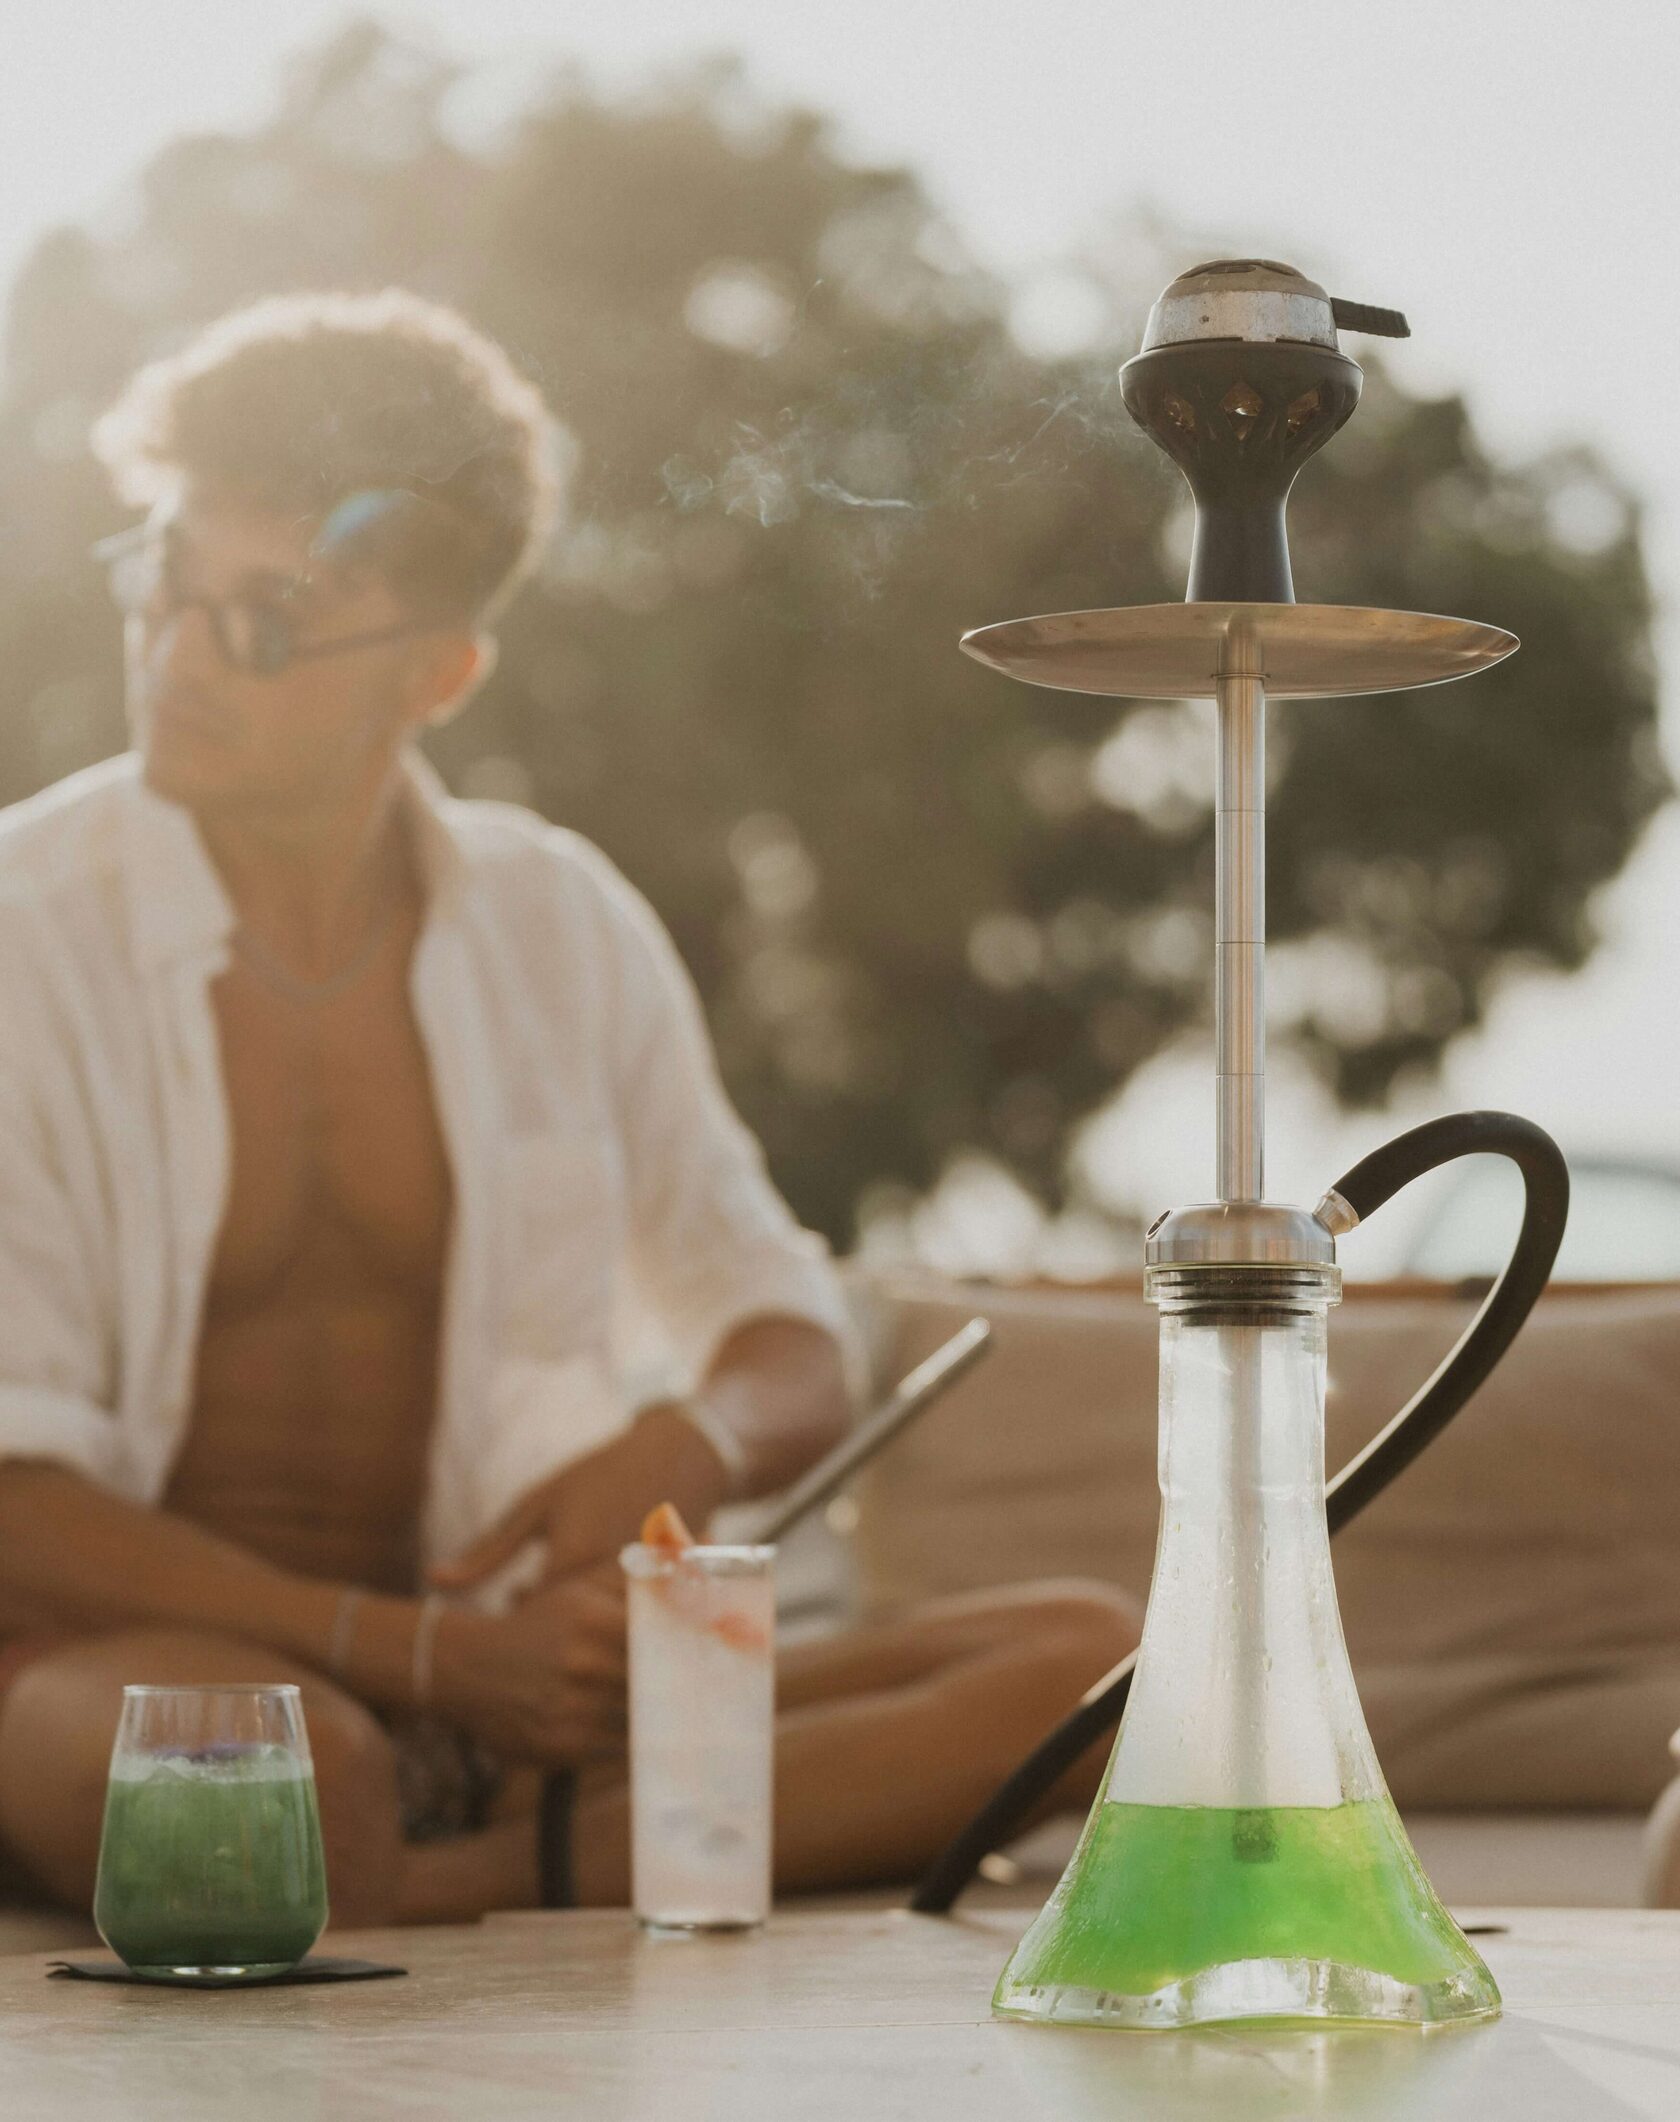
{"x":1243,"y":1859}
{"x":1177,"y":1915}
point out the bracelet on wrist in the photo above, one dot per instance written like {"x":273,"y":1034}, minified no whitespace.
{"x":731,"y":1452}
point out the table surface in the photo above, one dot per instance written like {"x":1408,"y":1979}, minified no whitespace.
{"x":860,"y":2013}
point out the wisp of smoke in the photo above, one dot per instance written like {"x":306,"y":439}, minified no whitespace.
{"x":765,"y":477}
{"x":832,"y":490}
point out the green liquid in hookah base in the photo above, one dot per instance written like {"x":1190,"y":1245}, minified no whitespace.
{"x":1160,"y":1893}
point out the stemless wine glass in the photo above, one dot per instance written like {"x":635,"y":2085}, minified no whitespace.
{"x":210,"y":1866}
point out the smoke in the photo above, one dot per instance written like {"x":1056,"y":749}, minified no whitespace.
{"x":832,"y":490}
{"x":885,"y":459}
{"x":884,"y":450}
{"x":768,"y":477}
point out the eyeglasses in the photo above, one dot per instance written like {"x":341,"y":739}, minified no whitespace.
{"x":255,"y":635}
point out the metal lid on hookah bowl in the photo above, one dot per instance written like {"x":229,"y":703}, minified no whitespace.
{"x":1259,"y":299}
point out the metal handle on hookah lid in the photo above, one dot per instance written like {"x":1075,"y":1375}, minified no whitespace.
{"x":1356,"y":1195}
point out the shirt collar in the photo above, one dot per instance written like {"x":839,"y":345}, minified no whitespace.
{"x":178,"y":906}
{"x":438,"y":846}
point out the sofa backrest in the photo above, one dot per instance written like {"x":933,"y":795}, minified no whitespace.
{"x":1512,"y":1603}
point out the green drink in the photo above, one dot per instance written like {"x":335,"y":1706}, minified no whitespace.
{"x":211,"y":1864}
{"x":1159,"y":1895}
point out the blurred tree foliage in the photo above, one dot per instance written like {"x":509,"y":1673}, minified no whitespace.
{"x":930,"y":911}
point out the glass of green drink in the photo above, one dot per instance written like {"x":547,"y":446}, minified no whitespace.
{"x":210,"y":1866}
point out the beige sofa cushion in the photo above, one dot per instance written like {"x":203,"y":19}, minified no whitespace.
{"x":1512,"y":1604}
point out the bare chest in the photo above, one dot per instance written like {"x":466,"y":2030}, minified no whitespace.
{"x":316,"y":1376}
{"x":337,"y":1156}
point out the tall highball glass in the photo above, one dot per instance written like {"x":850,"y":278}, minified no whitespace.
{"x":702,"y":1697}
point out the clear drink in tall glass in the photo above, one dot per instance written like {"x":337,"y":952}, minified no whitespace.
{"x":210,"y":1864}
{"x":702,"y":1702}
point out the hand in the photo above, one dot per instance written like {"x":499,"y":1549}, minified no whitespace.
{"x":547,"y":1682}
{"x":585,"y":1513}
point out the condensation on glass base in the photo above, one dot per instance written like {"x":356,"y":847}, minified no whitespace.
{"x":1260,"y":1989}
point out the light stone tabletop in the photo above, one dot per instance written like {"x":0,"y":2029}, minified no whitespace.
{"x":851,"y":2012}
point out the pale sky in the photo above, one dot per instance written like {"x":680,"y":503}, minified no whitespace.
{"x":1505,"y":171}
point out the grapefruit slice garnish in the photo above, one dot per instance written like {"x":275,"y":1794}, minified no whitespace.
{"x":740,"y":1632}
{"x":663,"y":1528}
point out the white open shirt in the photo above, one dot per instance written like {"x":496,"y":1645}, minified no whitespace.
{"x":598,"y":1166}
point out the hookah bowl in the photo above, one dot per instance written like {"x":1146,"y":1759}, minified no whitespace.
{"x":1243,"y":1859}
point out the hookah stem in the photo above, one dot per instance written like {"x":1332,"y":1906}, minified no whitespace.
{"x":1240,"y":1036}
{"x":1240,"y":934}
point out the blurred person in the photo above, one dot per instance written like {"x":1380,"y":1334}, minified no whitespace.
{"x":1662,"y":1843}
{"x":338,"y":1119}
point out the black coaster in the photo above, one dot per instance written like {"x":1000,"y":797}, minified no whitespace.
{"x":318,"y":1968}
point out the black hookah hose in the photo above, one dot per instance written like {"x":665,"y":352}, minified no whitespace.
{"x":1496,"y":1325}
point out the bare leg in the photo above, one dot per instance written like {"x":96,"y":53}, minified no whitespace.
{"x":887,"y":1739}
{"x":464,"y":1877}
{"x":59,"y":1720}
{"x":60,"y":1717}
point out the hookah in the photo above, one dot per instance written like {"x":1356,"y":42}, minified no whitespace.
{"x":1243,"y":1859}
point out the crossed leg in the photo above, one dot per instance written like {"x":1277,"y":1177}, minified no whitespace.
{"x":59,"y":1719}
{"x":887,"y":1737}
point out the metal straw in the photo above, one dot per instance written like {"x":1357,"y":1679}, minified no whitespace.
{"x":919,"y":1390}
